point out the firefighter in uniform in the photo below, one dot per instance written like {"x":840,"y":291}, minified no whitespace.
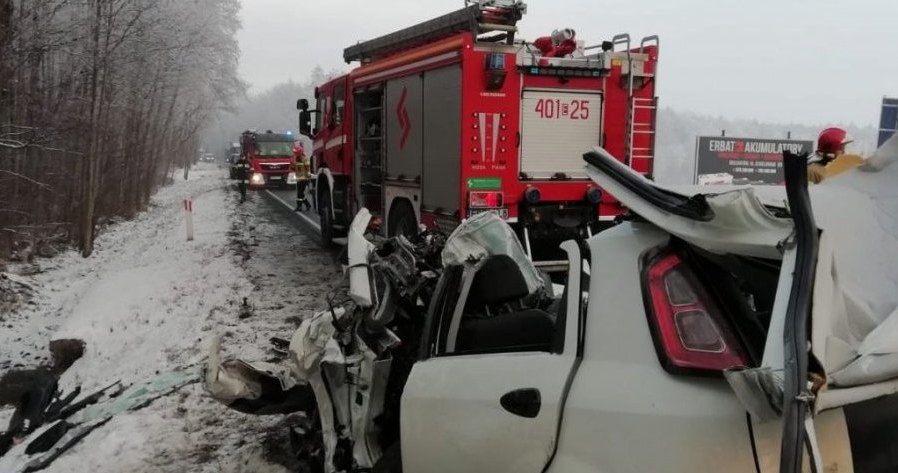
{"x":303,"y":176}
{"x":243,"y":169}
{"x":830,"y":158}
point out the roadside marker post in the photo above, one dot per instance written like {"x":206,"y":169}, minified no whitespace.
{"x":188,"y":209}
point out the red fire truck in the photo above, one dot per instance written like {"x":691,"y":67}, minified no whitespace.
{"x":454,"y":116}
{"x":271,"y":158}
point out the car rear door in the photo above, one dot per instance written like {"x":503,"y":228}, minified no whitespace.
{"x":496,"y":412}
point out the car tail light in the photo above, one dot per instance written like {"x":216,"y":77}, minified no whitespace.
{"x":689,"y":324}
{"x":485,"y":200}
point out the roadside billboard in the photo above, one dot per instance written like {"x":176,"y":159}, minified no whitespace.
{"x":725,"y":160}
{"x":888,"y":119}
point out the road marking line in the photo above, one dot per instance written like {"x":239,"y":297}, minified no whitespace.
{"x":301,"y":215}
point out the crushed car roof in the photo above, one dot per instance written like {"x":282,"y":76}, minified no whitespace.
{"x":855,"y":312}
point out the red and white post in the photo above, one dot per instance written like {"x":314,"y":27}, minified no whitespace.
{"x":188,"y":210}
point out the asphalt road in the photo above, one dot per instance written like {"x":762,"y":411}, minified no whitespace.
{"x":286,"y":198}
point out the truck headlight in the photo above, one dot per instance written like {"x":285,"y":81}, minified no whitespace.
{"x":257,"y":179}
{"x":291,"y":178}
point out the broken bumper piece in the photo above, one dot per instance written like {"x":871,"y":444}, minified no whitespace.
{"x":254,"y":389}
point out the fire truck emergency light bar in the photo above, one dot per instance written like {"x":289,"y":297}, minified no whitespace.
{"x":479,"y":17}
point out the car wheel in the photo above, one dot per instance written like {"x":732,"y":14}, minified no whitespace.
{"x":390,"y":462}
{"x":402,"y":221}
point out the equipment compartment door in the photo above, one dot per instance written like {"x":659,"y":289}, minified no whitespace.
{"x":442,"y":139}
{"x":404,"y":116}
{"x":557,"y":127}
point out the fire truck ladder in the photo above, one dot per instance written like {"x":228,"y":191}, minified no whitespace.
{"x":478,"y":18}
{"x":641,"y":116}
{"x":641,"y":127}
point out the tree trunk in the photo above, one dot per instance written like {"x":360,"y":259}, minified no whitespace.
{"x":90,"y":179}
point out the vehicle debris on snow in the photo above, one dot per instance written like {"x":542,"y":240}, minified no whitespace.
{"x":711,"y":270}
{"x":47,"y":422}
{"x":350,"y":361}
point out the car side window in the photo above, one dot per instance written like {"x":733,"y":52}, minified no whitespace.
{"x":495,"y":312}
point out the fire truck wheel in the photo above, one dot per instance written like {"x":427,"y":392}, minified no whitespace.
{"x":402,"y":220}
{"x":327,"y":219}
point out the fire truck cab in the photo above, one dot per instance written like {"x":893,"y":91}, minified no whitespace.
{"x":455,"y":116}
{"x":271,"y":158}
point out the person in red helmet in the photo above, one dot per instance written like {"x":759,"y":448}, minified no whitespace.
{"x":303,"y":176}
{"x":830,"y":158}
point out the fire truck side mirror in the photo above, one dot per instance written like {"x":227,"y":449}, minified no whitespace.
{"x":302,"y":104}
{"x":305,"y":123}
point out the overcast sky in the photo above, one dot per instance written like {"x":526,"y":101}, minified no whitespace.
{"x":806,"y":61}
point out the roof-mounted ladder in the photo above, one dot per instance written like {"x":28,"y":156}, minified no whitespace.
{"x":478,"y":18}
{"x":642,"y":113}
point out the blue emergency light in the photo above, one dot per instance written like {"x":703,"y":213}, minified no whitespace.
{"x":495,"y":71}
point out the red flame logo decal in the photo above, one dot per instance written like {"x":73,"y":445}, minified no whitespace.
{"x":404,"y":123}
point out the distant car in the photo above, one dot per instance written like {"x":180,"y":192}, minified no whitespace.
{"x":208,"y":158}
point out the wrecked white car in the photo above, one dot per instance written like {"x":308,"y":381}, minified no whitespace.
{"x":737,"y":329}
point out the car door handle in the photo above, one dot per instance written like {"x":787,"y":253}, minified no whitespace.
{"x":523,"y":402}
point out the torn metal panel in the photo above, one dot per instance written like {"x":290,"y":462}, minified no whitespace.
{"x":735,"y":221}
{"x":314,"y":343}
{"x":254,"y":389}
{"x":137,"y":396}
{"x":486,"y":234}
{"x":48,"y":438}
{"x":760,"y":390}
{"x":109,"y":391}
{"x":832,"y":398}
{"x":854,"y":330}
{"x":359,"y":249}
{"x":72,"y":437}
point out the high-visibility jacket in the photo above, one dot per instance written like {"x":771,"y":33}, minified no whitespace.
{"x":303,"y":168}
{"x":817,"y":172}
{"x":843,"y":163}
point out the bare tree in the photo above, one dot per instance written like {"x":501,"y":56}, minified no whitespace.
{"x":99,"y":101}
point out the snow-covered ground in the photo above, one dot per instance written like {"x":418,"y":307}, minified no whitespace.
{"x":147,"y":302}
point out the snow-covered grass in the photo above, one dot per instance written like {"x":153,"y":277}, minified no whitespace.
{"x":147,"y":302}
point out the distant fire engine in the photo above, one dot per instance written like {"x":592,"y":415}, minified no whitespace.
{"x":454,"y":116}
{"x":271,"y":157}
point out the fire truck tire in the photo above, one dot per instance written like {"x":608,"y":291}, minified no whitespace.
{"x":326,"y":219}
{"x":402,"y":220}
